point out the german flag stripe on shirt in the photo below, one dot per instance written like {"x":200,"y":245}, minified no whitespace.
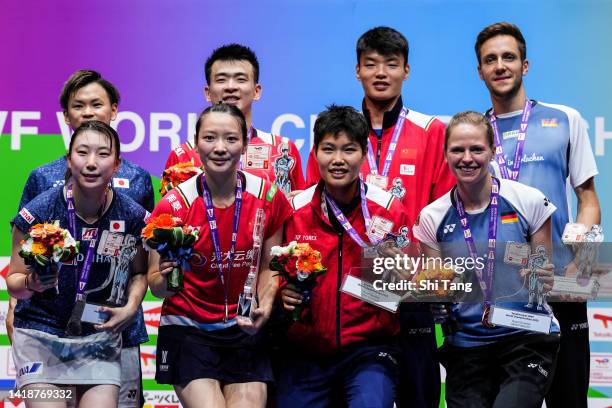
{"x":509,"y":217}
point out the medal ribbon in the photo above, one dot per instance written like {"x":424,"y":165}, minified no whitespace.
{"x":520,"y":144}
{"x":394,"y":138}
{"x":84,"y":275}
{"x":346,"y":223}
{"x":214,"y":232}
{"x":486,"y":279}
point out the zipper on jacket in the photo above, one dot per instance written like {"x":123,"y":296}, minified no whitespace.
{"x":338,"y":291}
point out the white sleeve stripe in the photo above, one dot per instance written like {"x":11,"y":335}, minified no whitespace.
{"x":535,"y":226}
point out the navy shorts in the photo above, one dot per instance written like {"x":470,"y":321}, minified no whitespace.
{"x":364,"y":377}
{"x":185,"y":354}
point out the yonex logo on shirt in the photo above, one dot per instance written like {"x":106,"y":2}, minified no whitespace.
{"x":449,"y":228}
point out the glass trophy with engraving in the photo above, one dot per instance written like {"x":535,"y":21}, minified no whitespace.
{"x":585,"y":244}
{"x":535,"y":315}
{"x":245,"y":300}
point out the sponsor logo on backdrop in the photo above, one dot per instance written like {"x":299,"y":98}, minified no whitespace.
{"x":152,"y":317}
{"x":600,"y":324}
{"x":147,"y":362}
{"x":11,"y":371}
{"x":601,"y":370}
{"x":161,"y":399}
{"x":3,"y":314}
{"x":13,"y":403}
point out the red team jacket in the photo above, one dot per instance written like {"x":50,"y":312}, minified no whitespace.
{"x":201,"y":303}
{"x":418,"y":174}
{"x":271,"y":157}
{"x":339,"y":320}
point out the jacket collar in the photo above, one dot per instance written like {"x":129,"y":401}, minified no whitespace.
{"x":389,"y":117}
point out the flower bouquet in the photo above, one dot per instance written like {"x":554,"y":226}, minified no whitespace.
{"x":45,"y":245}
{"x":173,"y":241}
{"x":175,"y":175}
{"x":298,"y":264}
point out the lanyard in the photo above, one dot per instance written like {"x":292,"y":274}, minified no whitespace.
{"x":394,"y":138}
{"x":486,"y":280}
{"x":250,"y":134}
{"x":346,"y":223}
{"x":84,"y":275}
{"x":520,"y":144}
{"x":214,"y":233}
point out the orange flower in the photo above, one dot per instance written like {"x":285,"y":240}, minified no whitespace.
{"x":162,"y":221}
{"x":38,"y":248}
{"x":308,"y":259}
{"x":177,"y":174}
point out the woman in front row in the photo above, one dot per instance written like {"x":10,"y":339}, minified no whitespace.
{"x":342,"y":346}
{"x":210,"y":357}
{"x":491,"y":365}
{"x":47,"y":354}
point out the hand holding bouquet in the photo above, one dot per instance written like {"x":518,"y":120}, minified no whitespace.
{"x":175,"y":175}
{"x":47,"y":245}
{"x":173,"y":241}
{"x":299,"y":265}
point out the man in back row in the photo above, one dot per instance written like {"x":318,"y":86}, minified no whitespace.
{"x":232,"y":77}
{"x":405,"y":158}
{"x":553,"y":149}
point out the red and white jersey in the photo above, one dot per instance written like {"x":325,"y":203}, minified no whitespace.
{"x":337,"y":320}
{"x":201,"y":303}
{"x":271,"y":157}
{"x":418,"y":173}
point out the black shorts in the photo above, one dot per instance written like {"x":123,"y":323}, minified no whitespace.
{"x":420,"y":370}
{"x":514,"y":372}
{"x":571,"y":382}
{"x":185,"y":354}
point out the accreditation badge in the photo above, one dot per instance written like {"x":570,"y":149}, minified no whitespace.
{"x":110,"y":243}
{"x":257,"y":157}
{"x":517,"y":253}
{"x":377,"y":180}
{"x":379,"y":228}
{"x":573,"y":232}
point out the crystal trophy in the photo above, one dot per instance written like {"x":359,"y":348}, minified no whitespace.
{"x":246,"y":297}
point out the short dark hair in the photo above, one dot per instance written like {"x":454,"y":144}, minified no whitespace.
{"x":223,"y":108}
{"x":384,"y":40}
{"x":99,"y":127}
{"x":336,"y":119}
{"x":232,"y":52}
{"x":471,"y":118}
{"x":84,"y":77}
{"x":501,"y":28}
